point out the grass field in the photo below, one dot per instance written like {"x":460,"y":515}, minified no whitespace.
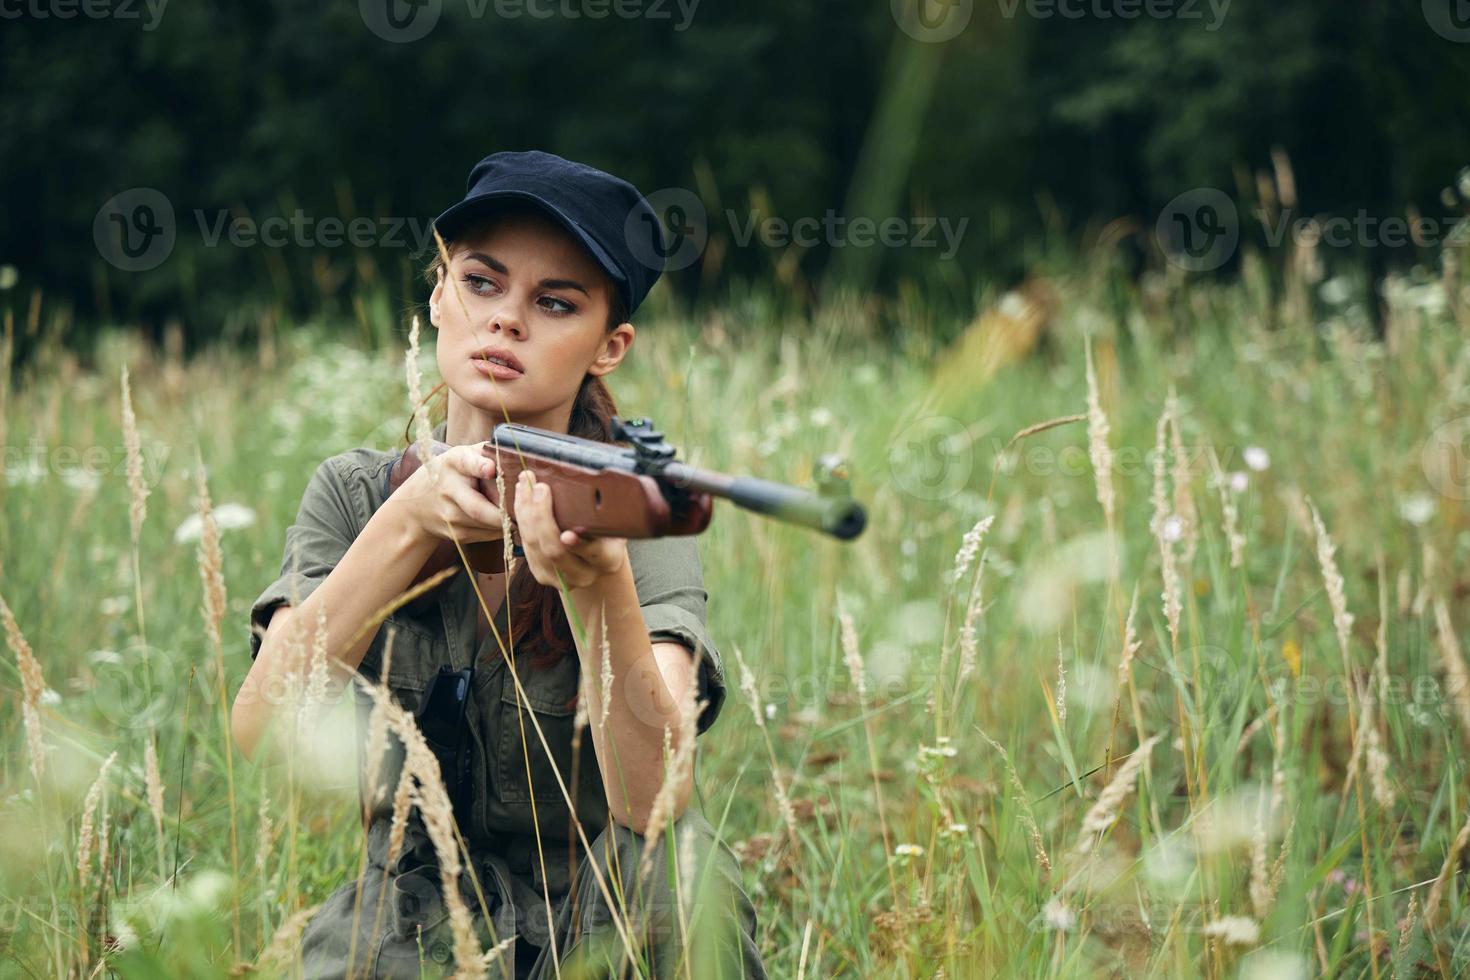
{"x":1262,"y":776}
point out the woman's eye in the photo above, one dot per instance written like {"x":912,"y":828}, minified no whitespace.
{"x":479,"y":285}
{"x":558,"y":305}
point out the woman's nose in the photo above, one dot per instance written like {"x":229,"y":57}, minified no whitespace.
{"x":506,"y":318}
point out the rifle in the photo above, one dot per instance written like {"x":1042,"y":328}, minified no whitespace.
{"x":638,"y":491}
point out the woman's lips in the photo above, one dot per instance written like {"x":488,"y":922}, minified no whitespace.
{"x":497,"y":371}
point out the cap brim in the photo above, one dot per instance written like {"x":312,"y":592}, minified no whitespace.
{"x":453,"y":220}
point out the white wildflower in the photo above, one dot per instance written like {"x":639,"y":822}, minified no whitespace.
{"x":1239,"y":481}
{"x":1256,"y":458}
{"x":1235,"y":930}
{"x":1417,"y":508}
{"x":1058,"y":917}
{"x":227,"y":517}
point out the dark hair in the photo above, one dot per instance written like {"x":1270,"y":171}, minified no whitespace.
{"x":538,"y":621}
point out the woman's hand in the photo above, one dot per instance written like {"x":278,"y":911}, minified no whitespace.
{"x":550,"y":551}
{"x":452,"y":506}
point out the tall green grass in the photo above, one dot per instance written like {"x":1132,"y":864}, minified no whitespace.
{"x":1264,"y":831}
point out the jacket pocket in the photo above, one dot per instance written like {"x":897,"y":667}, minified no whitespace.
{"x":518,"y":718}
{"x":416,"y":654}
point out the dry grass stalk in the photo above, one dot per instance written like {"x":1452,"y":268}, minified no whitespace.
{"x":211,"y":575}
{"x":1105,"y":811}
{"x":1061,"y":680}
{"x":969,"y":644}
{"x":432,"y":800}
{"x":1031,"y":430}
{"x":1456,"y":674}
{"x":132,"y":444}
{"x":969,"y":548}
{"x":423,"y":434}
{"x":377,"y":734}
{"x":1230,"y":514}
{"x":1027,"y":816}
{"x":678,"y":766}
{"x":1342,"y":620}
{"x":153,"y":787}
{"x":778,"y":783}
{"x":1406,"y":927}
{"x":851,"y":656}
{"x":605,"y":677}
{"x":266,"y":834}
{"x":1264,"y":882}
{"x":1131,"y":645}
{"x":398,"y":826}
{"x":1098,"y":449}
{"x":1378,"y":765}
{"x":33,"y":685}
{"x":318,"y":677}
{"x":1159,"y":525}
{"x":85,"y":839}
{"x":286,"y":940}
{"x":211,"y":560}
{"x":1447,"y":871}
{"x":1182,"y":475}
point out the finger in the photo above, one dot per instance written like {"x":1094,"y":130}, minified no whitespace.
{"x":476,"y":507}
{"x":471,"y":461}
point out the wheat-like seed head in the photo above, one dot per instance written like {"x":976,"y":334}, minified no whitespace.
{"x":1038,"y":847}
{"x":132,"y":444}
{"x":851,"y":655}
{"x":1173,"y":603}
{"x":85,"y":840}
{"x":211,"y":559}
{"x":33,"y":685}
{"x":153,"y":782}
{"x":1098,"y":449}
{"x":1342,"y":620}
{"x":676,"y":771}
{"x":1105,"y":811}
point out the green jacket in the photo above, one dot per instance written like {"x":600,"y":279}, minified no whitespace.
{"x":439,"y":629}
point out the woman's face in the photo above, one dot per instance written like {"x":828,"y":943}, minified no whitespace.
{"x":526,"y":287}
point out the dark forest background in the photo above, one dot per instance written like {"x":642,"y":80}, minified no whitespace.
{"x":1040,"y":129}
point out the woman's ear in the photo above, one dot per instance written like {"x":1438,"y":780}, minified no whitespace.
{"x":614,"y":350}
{"x":434,"y":299}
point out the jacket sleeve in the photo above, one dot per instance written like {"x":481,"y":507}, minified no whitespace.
{"x":670,"y":585}
{"x":325,"y":527}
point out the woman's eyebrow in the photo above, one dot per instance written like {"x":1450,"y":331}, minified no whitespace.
{"x":501,"y":268}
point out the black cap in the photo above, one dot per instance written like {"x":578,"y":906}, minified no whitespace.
{"x":605,"y":213}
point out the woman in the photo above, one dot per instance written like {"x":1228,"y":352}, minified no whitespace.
{"x":547,"y":260}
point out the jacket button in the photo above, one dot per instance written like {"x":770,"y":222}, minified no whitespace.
{"x":440,"y":952}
